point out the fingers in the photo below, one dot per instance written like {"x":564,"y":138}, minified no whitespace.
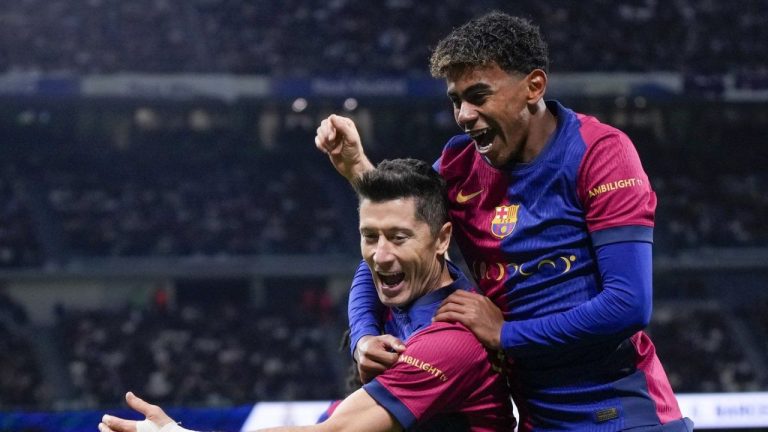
{"x":116,"y":424}
{"x":138,"y":404}
{"x":342,"y":124}
{"x":392,"y":342}
{"x":333,"y":131}
{"x":105,"y":428}
{"x":375,"y":354}
{"x":329,"y":130}
{"x":153,"y":413}
{"x":453,"y":316}
{"x":325,"y":136}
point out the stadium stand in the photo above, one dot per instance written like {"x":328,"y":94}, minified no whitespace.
{"x":148,"y":178}
{"x":305,"y":37}
{"x":180,"y":356}
{"x":701,"y":337}
{"x":21,"y":379}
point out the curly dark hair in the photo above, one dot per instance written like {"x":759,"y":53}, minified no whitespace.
{"x":514,"y":43}
{"x":407,"y":178}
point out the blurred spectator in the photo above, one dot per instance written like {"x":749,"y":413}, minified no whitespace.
{"x":309,"y":38}
{"x":21,"y":384}
{"x":221,"y":355}
{"x":700,"y":351}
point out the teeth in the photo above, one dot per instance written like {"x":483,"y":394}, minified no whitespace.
{"x":391,"y":278}
{"x":477,"y":134}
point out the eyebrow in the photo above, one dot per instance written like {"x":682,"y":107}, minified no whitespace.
{"x":471,"y":89}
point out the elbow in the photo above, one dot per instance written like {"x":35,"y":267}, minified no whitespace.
{"x":639,"y":316}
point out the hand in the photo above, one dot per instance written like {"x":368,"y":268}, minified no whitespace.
{"x":477,"y":312}
{"x":375,"y":354}
{"x":338,"y":138}
{"x":156,"y":418}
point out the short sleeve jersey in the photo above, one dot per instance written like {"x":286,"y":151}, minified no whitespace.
{"x":445,"y":379}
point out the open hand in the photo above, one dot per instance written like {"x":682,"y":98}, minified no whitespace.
{"x":156,"y":418}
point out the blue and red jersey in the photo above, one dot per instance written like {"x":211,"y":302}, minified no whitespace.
{"x":562,"y":245}
{"x":445,"y":379}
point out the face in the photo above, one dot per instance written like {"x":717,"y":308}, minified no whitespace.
{"x":402,"y":253}
{"x":493,"y":105}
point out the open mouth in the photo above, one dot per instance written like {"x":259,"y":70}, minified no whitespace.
{"x":483,"y":139}
{"x":390,"y":280}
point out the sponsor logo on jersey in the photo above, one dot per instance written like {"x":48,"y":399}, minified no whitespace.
{"x":426,"y":367}
{"x":461,"y":198}
{"x":504,"y":220}
{"x":496,"y":271}
{"x":614,"y":185}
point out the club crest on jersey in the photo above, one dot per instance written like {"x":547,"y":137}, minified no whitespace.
{"x":504,"y":220}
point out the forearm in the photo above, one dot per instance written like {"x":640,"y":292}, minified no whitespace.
{"x":364,"y":308}
{"x":290,"y":429}
{"x":622,"y":307}
{"x":357,"y":413}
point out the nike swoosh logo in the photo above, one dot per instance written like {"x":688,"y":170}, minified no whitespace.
{"x":461,"y":198}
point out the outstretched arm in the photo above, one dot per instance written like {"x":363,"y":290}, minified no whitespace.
{"x":358,"y":412}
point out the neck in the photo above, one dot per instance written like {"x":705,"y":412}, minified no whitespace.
{"x":444,"y":279}
{"x":542,"y":125}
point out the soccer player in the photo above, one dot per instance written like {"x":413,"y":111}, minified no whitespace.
{"x":444,"y":380}
{"x":554,"y":215}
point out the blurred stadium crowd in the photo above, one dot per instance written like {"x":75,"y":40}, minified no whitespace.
{"x":214,"y":182}
{"x":194,"y":195}
{"x":312,"y":37}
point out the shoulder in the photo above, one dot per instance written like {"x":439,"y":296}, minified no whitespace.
{"x":457,"y":153}
{"x":446,"y":340}
{"x":608,"y":149}
{"x":593,"y":131}
{"x":457,"y":142}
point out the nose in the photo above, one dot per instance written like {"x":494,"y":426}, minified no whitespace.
{"x":466,"y":114}
{"x":383,"y":254}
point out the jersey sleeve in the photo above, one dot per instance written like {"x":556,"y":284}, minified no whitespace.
{"x":441,"y":366}
{"x":364,"y":308}
{"x":622,"y":308}
{"x":615,"y":192}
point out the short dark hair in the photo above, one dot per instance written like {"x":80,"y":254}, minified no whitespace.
{"x":406,"y":178}
{"x":514,"y":43}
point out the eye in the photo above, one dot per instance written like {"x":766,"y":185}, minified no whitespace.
{"x":399,"y":238}
{"x":370,"y":238}
{"x":477,"y":99}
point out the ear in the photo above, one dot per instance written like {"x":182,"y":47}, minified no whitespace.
{"x":443,"y":239}
{"x":537,"y":85}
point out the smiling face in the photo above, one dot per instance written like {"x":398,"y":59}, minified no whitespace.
{"x":496,"y":108}
{"x":405,"y":258}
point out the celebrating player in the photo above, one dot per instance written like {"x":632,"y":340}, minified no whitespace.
{"x":554,"y":216}
{"x":444,"y":379}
